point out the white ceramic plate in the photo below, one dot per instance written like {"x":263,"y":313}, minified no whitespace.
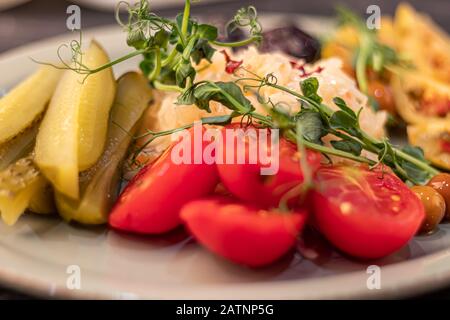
{"x":36,"y":253}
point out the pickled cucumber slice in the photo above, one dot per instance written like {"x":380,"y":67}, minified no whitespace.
{"x":26,"y":102}
{"x":95,"y":102}
{"x":18,"y":147}
{"x":99,"y":184}
{"x":19,"y":183}
{"x":73,"y":133}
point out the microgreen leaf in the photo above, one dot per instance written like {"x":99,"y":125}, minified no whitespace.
{"x":184,"y":71}
{"x":281,"y":118}
{"x":309,"y":89}
{"x":202,"y":50}
{"x":341,"y":120}
{"x":227,"y":93}
{"x":348,"y":146}
{"x":415,"y":174}
{"x":136,"y":39}
{"x":218,"y":119}
{"x":312,"y":126}
{"x":187,"y":97}
{"x":161,"y":38}
{"x":343,"y":106}
{"x":207,"y":32}
{"x":414,"y":151}
{"x":179,"y":22}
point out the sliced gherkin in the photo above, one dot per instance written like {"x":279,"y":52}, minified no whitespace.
{"x":99,"y":184}
{"x":19,"y":183}
{"x":19,"y":147}
{"x":73,"y":132}
{"x":25,"y":103}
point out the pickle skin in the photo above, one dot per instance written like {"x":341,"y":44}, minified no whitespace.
{"x":20,"y":146}
{"x":73,"y":132}
{"x":99,"y":184}
{"x":57,"y":140}
{"x":95,"y":106}
{"x":27,"y":101}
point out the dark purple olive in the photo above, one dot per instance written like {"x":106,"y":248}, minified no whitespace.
{"x":292,"y":41}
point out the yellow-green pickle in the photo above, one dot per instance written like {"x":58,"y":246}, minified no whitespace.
{"x":99,"y":184}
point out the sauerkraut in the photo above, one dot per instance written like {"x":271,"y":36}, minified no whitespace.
{"x":165,"y":114}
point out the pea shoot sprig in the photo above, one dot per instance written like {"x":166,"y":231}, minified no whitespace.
{"x":315,"y":120}
{"x":370,"y":54}
{"x":170,"y":48}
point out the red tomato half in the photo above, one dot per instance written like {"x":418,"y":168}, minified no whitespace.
{"x":242,"y":233}
{"x":151,"y":202}
{"x":365,"y":213}
{"x":246,"y":181}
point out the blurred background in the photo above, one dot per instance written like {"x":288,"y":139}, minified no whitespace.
{"x":23,"y":21}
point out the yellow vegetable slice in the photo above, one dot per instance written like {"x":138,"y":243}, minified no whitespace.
{"x":56,"y":150}
{"x":73,"y":132}
{"x":419,"y":98}
{"x":99,"y":184}
{"x":95,"y":101}
{"x":19,"y":183}
{"x":429,"y":136}
{"x":26,"y":102}
{"x":418,"y":38}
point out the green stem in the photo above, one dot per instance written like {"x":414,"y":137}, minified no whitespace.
{"x":185,"y":23}
{"x":103,"y":67}
{"x":188,"y":50}
{"x":119,"y":60}
{"x":237,"y":43}
{"x":166,"y":87}
{"x":157,"y":70}
{"x":156,"y":135}
{"x":238,"y":106}
{"x":401,"y":154}
{"x":327,"y":110}
{"x":262,"y":118}
{"x":323,"y":149}
{"x":369,"y":143}
{"x":424,"y":166}
{"x":361,"y":62}
{"x":338,"y":153}
{"x":169,"y":58}
{"x":304,"y":166}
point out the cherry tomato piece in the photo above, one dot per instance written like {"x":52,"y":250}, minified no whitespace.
{"x":365,"y":213}
{"x":246,"y":180}
{"x":240,"y":232}
{"x":151,"y":202}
